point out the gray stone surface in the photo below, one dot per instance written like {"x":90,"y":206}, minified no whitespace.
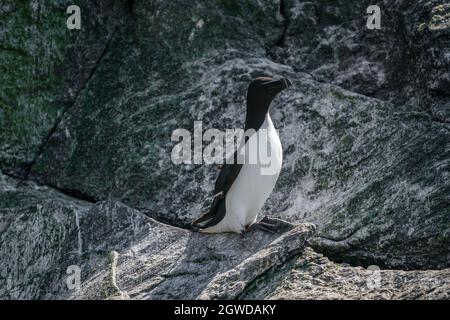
{"x":406,"y":59}
{"x":149,"y":260}
{"x":313,"y":276}
{"x":124,"y":254}
{"x":38,"y":239}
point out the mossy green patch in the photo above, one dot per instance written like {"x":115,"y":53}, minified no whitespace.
{"x":33,"y":46}
{"x":42,"y":66}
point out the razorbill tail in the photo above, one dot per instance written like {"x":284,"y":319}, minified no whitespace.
{"x":243,"y":187}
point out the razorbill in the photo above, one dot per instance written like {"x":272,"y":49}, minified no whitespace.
{"x":241,"y":189}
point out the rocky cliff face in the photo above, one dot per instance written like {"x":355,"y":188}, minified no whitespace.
{"x":121,"y":253}
{"x":365,"y":131}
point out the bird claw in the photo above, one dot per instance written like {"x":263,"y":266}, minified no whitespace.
{"x":271,"y":225}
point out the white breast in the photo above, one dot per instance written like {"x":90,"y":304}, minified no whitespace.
{"x":255,"y":181}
